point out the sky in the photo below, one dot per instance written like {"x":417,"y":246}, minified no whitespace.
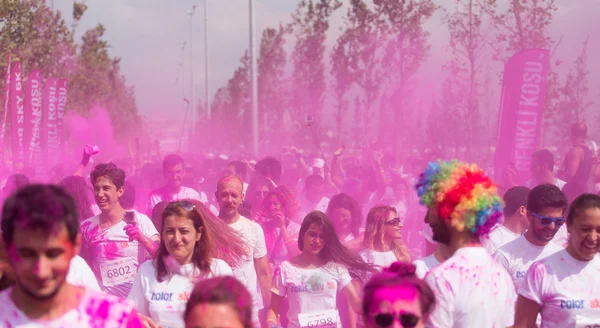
{"x":147,"y":35}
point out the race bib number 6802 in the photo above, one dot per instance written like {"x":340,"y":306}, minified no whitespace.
{"x":117,"y":272}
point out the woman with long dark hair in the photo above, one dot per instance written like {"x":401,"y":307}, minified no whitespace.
{"x":383,"y":238}
{"x":346,"y":216}
{"x":194,"y":245}
{"x":311,"y":280}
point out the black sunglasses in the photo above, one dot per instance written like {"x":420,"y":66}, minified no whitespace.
{"x":186,"y":205}
{"x":407,"y":320}
{"x":395,"y":221}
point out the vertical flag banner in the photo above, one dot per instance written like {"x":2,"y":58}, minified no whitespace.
{"x":33,"y":122}
{"x":49,"y":129}
{"x":63,"y":85}
{"x":521,"y":112}
{"x":6,"y":96}
{"x":17,"y":107}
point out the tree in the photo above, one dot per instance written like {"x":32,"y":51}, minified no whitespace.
{"x":272,"y":88}
{"x":310,"y":25}
{"x":574,"y":101}
{"x":467,"y":45}
{"x":406,"y":49}
{"x":40,"y":38}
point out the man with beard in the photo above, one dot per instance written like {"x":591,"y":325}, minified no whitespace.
{"x":255,"y":269}
{"x":471,"y":289}
{"x":40,"y":226}
{"x":546,"y":207}
{"x":173,"y":171}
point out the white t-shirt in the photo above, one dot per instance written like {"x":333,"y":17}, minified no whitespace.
{"x":562,"y":237}
{"x":81,"y":274}
{"x":309,"y":290}
{"x":96,"y":310}
{"x":161,"y":194}
{"x":518,"y":255}
{"x":380,"y":259}
{"x":115,"y":258}
{"x":425,"y":265}
{"x":165,"y":301}
{"x":256,"y":249}
{"x":567,"y":289}
{"x":471,"y":290}
{"x":559,"y":183}
{"x":281,"y":253}
{"x":497,"y":238}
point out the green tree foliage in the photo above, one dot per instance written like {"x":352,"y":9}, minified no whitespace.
{"x":40,"y":38}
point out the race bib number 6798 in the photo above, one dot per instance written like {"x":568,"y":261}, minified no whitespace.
{"x":117,"y":272}
{"x":320,"y":319}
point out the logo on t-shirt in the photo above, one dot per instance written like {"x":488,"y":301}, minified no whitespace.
{"x":160,"y":296}
{"x":571,"y":304}
{"x":521,"y":274}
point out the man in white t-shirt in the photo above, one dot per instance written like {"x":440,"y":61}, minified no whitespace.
{"x":40,"y":226}
{"x":173,"y":171}
{"x":426,"y":264}
{"x":116,"y":242}
{"x":542,"y":170}
{"x":545,"y":202}
{"x":254,"y":271}
{"x":471,"y":289}
{"x":515,"y":220}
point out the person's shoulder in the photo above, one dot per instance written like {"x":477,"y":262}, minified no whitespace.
{"x":101,"y":302}
{"x":244,"y":221}
{"x":148,"y":267}
{"x":88,"y":223}
{"x":219,"y":266}
{"x":512,"y":245}
{"x":158,"y":192}
{"x":141,"y":217}
{"x":191,"y":193}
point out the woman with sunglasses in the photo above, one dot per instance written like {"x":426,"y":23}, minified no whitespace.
{"x":397,"y":298}
{"x":564,"y":287}
{"x":383,"y":237}
{"x":194,"y":245}
{"x":311,"y":280}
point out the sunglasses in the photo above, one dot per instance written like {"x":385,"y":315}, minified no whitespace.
{"x":407,"y":320}
{"x":394,"y":222}
{"x":186,"y":205}
{"x":546,"y":220}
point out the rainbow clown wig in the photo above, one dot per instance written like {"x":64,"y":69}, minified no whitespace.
{"x":462,"y":195}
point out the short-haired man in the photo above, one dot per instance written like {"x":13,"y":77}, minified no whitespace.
{"x":254,"y":272}
{"x":173,"y":171}
{"x":116,"y":243}
{"x":546,"y":207}
{"x":40,"y":226}
{"x":542,"y":170}
{"x":515,"y":220}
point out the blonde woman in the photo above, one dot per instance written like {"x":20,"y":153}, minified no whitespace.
{"x":382,"y":241}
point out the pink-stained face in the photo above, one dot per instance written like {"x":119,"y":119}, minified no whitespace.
{"x":208,"y":315}
{"x":41,"y":260}
{"x":180,"y":237}
{"x":313,"y":240}
{"x":106,"y":193}
{"x":584,"y":239}
{"x":395,"y":302}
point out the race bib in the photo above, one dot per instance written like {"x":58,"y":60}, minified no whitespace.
{"x":325,"y":319}
{"x":586,"y":322}
{"x":117,"y":272}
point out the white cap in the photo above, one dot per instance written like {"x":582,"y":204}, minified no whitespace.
{"x":318,"y":163}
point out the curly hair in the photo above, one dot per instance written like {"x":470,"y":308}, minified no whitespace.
{"x":111,"y":171}
{"x":374,"y":231}
{"x":462,"y":195}
{"x":289,"y":202}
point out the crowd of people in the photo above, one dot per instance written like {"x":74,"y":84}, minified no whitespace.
{"x":284,"y":243}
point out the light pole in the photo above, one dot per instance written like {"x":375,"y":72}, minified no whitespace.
{"x":206,"y":99}
{"x":253,"y":79}
{"x":191,"y":105}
